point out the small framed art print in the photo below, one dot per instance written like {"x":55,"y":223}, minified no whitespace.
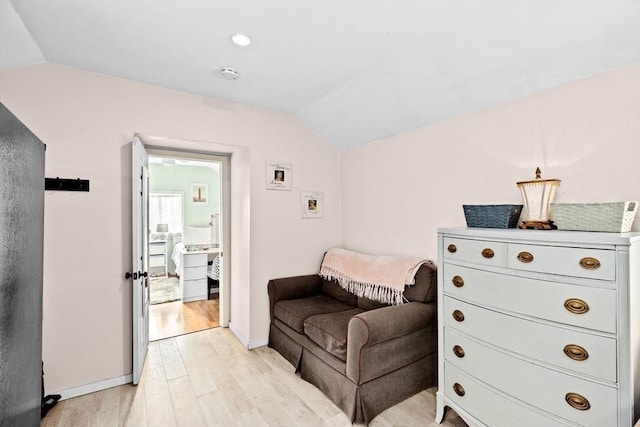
{"x":312,"y":204}
{"x":199,"y":194}
{"x":279,"y":175}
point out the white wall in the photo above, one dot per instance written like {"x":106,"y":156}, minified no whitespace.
{"x":87,"y":121}
{"x":396,"y":192}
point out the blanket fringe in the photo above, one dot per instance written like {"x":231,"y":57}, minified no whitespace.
{"x":367,"y":290}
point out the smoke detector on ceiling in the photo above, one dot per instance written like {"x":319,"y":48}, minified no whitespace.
{"x":228,"y":73}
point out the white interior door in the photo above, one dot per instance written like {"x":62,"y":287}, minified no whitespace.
{"x":140,"y":253}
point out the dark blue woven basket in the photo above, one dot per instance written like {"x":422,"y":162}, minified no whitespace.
{"x":492,"y":216}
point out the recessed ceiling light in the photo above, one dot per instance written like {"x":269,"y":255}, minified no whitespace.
{"x":228,"y":73}
{"x":241,"y":39}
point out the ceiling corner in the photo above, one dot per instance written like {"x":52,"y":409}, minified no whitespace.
{"x":17,"y":46}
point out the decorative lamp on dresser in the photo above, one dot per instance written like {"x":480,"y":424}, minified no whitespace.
{"x":539,"y":328}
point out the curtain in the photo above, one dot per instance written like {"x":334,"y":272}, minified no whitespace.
{"x":165,"y":208}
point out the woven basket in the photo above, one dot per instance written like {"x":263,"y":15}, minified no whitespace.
{"x":492,"y":216}
{"x":607,"y":217}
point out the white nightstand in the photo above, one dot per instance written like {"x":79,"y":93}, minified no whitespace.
{"x":158,"y":257}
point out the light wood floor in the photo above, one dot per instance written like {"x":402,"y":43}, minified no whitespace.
{"x":208,"y":379}
{"x":177,"y":318}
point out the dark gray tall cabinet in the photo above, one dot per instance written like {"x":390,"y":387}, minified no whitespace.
{"x":21,"y":248}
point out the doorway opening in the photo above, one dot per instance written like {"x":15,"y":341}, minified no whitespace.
{"x":186,"y":241}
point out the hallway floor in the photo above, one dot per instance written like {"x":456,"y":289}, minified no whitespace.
{"x":177,"y":318}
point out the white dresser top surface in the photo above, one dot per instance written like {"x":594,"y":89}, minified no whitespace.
{"x":543,"y":236}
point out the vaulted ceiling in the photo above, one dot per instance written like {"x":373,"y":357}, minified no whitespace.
{"x":354,"y":71}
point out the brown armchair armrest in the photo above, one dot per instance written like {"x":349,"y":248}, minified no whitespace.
{"x":293,"y":288}
{"x":383,"y":340}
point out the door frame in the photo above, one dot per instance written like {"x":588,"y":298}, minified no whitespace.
{"x":224,"y":161}
{"x":239,"y":271}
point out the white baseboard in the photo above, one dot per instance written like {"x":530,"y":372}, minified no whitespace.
{"x":93,"y":387}
{"x":238,"y":334}
{"x":127,"y":379}
{"x":245,"y":342}
{"x":259,"y":343}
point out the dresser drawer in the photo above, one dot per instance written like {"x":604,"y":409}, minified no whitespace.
{"x":192,"y":273}
{"x":582,"y":353}
{"x":156,"y":248}
{"x":195,"y":288}
{"x":156,"y":261}
{"x":476,"y":251}
{"x":593,"y":308}
{"x":577,"y":262}
{"x":539,"y":386}
{"x":490,"y":407}
{"x":194,"y":260}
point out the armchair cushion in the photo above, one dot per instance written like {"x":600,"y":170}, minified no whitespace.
{"x":292,"y":288}
{"x":293,"y":312}
{"x":329,"y":331}
{"x":369,"y":304}
{"x":334,"y":290}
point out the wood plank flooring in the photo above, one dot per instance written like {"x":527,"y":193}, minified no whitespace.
{"x":177,"y":318}
{"x":208,"y":379}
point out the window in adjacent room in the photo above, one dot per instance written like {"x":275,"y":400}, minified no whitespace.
{"x":165,"y":208}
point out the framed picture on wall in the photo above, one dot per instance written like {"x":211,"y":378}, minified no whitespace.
{"x":199,"y":194}
{"x":312,"y":204}
{"x":279,"y":175}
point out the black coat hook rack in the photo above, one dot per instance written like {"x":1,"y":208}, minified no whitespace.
{"x":61,"y":184}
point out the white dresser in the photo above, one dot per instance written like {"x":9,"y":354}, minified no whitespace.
{"x":193,"y":276}
{"x":539,"y":328}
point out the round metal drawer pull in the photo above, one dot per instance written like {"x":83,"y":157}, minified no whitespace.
{"x":458,"y":351}
{"x":525,"y":257}
{"x":457,"y":281}
{"x":458,"y":315}
{"x":488,"y":253}
{"x":458,"y":389}
{"x":576,"y":306}
{"x":589,"y":263}
{"x":576,"y":401}
{"x":452,"y":248}
{"x":576,"y":352}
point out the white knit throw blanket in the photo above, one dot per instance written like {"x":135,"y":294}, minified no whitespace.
{"x":379,"y":278}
